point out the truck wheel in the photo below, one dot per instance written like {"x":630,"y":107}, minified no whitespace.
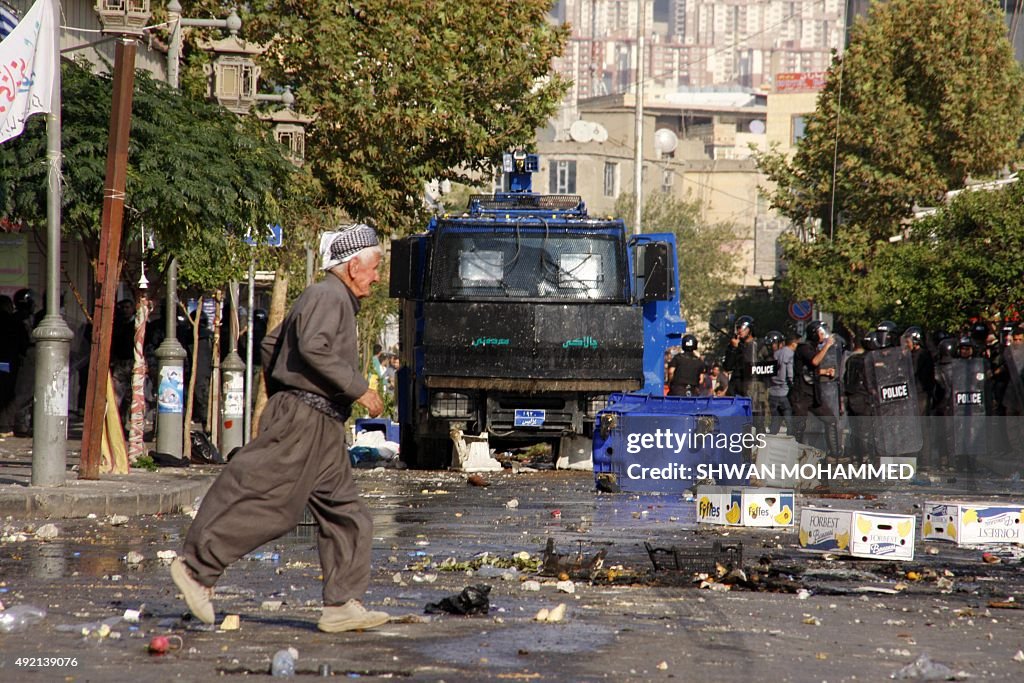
{"x":425,"y":453}
{"x":435,"y":453}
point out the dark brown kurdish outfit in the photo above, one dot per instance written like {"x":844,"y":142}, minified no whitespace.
{"x":299,"y":457}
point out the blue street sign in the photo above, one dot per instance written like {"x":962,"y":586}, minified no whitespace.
{"x":274,"y":236}
{"x":801,"y":310}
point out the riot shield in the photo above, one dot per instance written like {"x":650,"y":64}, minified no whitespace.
{"x":968,"y":406}
{"x":889,"y":375}
{"x":1013,"y":400}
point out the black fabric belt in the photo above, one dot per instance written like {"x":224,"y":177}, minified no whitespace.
{"x":322,"y":404}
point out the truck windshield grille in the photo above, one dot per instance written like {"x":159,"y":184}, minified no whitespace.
{"x":527,"y":261}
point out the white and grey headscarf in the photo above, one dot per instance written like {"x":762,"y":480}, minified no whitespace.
{"x":339,"y":246}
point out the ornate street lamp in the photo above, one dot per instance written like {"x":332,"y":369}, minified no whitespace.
{"x":289,"y":126}
{"x":123,"y":17}
{"x":234,"y":74}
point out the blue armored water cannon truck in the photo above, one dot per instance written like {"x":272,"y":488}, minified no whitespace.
{"x":520,"y":316}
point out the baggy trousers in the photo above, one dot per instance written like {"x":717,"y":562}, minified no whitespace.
{"x":299,"y":458}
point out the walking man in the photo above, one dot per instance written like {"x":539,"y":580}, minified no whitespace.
{"x":311,"y":367}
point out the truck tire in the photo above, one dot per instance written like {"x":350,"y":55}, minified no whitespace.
{"x":425,"y":453}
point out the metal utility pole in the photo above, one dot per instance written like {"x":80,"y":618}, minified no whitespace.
{"x":249,"y":352}
{"x":52,"y":335}
{"x":109,"y":256}
{"x":638,"y":138}
{"x":233,"y":392}
{"x":170,"y":417}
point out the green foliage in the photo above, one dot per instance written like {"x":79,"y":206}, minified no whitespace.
{"x":927,"y":94}
{"x":198,"y":175}
{"x":708,"y":262}
{"x":408,"y":90}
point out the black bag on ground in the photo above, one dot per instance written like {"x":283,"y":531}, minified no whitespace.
{"x":472,"y":600}
{"x":204,"y":452}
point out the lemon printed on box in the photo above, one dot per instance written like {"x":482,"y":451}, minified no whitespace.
{"x":928,"y":528}
{"x":905,"y":527}
{"x":784,"y":517}
{"x":843,"y":541}
{"x":803,"y":537}
{"x":970,"y":517}
{"x":733,"y":515}
{"x":951,"y":530}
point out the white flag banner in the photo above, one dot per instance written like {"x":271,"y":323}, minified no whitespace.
{"x":27,"y":62}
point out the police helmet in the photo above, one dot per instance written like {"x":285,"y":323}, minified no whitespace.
{"x":840,"y":340}
{"x":886,"y":326}
{"x":259,"y":315}
{"x":774,"y":337}
{"x":946,"y":347}
{"x":965,"y":341}
{"x":871,"y":341}
{"x":689,"y":342}
{"x":886,"y":338}
{"x":743,"y":321}
{"x":23,"y":300}
{"x":979,"y":332}
{"x":914,"y":334}
{"x":813,"y":327}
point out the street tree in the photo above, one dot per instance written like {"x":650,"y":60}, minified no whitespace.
{"x":708,"y":253}
{"x":927,"y":94}
{"x":198,"y":176}
{"x":405,"y":91}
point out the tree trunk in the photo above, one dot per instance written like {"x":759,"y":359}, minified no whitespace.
{"x":278,"y":301}
{"x":186,"y":447}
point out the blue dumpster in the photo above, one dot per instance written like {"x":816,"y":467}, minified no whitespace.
{"x":664,"y":444}
{"x":379,"y":424}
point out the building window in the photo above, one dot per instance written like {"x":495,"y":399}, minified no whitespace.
{"x":563,"y":177}
{"x":611,"y":179}
{"x":667,"y":176}
{"x":798,"y":125}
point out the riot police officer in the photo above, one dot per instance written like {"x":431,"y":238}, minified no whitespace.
{"x":686,"y":370}
{"x":858,"y":399}
{"x":924,"y":379}
{"x":778,"y":386}
{"x":741,"y":355}
{"x":942,"y":400}
{"x":805,"y":395}
{"x":970,"y":381}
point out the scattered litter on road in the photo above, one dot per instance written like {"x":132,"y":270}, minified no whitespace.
{"x":512,"y":504}
{"x":472,"y":600}
{"x":47,"y":532}
{"x":283,"y":663}
{"x":118,"y":520}
{"x":924,"y":669}
{"x":20,"y":617}
{"x":166,"y":556}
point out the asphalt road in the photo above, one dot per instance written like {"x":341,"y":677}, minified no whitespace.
{"x":809,"y":619}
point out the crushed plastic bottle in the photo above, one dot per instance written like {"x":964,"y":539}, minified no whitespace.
{"x":20,"y":616}
{"x":926,"y":669}
{"x":265,"y":556}
{"x":283,"y":665}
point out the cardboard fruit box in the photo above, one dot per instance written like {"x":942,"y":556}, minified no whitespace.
{"x":964,"y":522}
{"x":858,"y":533}
{"x":745,"y":506}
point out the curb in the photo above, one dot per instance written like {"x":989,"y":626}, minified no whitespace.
{"x":131,"y":494}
